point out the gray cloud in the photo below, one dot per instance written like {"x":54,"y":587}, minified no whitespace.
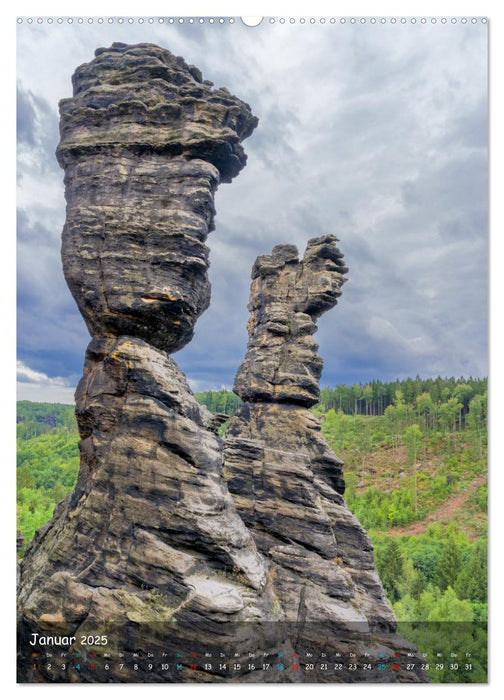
{"x":28,"y":375}
{"x":25,"y":118}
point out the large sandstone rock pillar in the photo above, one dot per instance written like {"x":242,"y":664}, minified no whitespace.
{"x":151,"y":551}
{"x":287,"y":483}
{"x":150,"y":537}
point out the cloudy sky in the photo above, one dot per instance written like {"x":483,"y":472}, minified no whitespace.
{"x":377,"y":133}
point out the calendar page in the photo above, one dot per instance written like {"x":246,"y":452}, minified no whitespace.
{"x":252,"y":349}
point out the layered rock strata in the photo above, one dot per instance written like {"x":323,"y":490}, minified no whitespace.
{"x":150,"y":538}
{"x":288,"y":485}
{"x":144,"y":143}
{"x":161,"y":550}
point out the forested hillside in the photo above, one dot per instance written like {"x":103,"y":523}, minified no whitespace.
{"x":47,"y":461}
{"x":221,"y":401}
{"x":373,"y":398}
{"x":416,"y":477}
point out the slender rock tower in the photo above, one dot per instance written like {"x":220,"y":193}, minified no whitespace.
{"x":163,"y":555}
{"x":288,"y":485}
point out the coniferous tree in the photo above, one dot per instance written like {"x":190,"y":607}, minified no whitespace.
{"x":413,"y":437}
{"x":391,"y":567}
{"x":448,"y":566}
{"x":471,"y":583}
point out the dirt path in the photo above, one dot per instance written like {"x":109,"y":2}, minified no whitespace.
{"x":444,"y":513}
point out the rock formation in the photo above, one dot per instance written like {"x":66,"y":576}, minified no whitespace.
{"x":159,"y":549}
{"x":287,"y":297}
{"x":144,"y":143}
{"x":150,"y":534}
{"x":287,"y":484}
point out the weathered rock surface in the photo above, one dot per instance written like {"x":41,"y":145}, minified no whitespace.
{"x":144,"y":144}
{"x":287,"y":296}
{"x":161,"y":548}
{"x":150,"y":535}
{"x":287,"y":484}
{"x":150,"y":539}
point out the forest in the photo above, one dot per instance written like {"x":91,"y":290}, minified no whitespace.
{"x":416,"y":477}
{"x":373,"y":398}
